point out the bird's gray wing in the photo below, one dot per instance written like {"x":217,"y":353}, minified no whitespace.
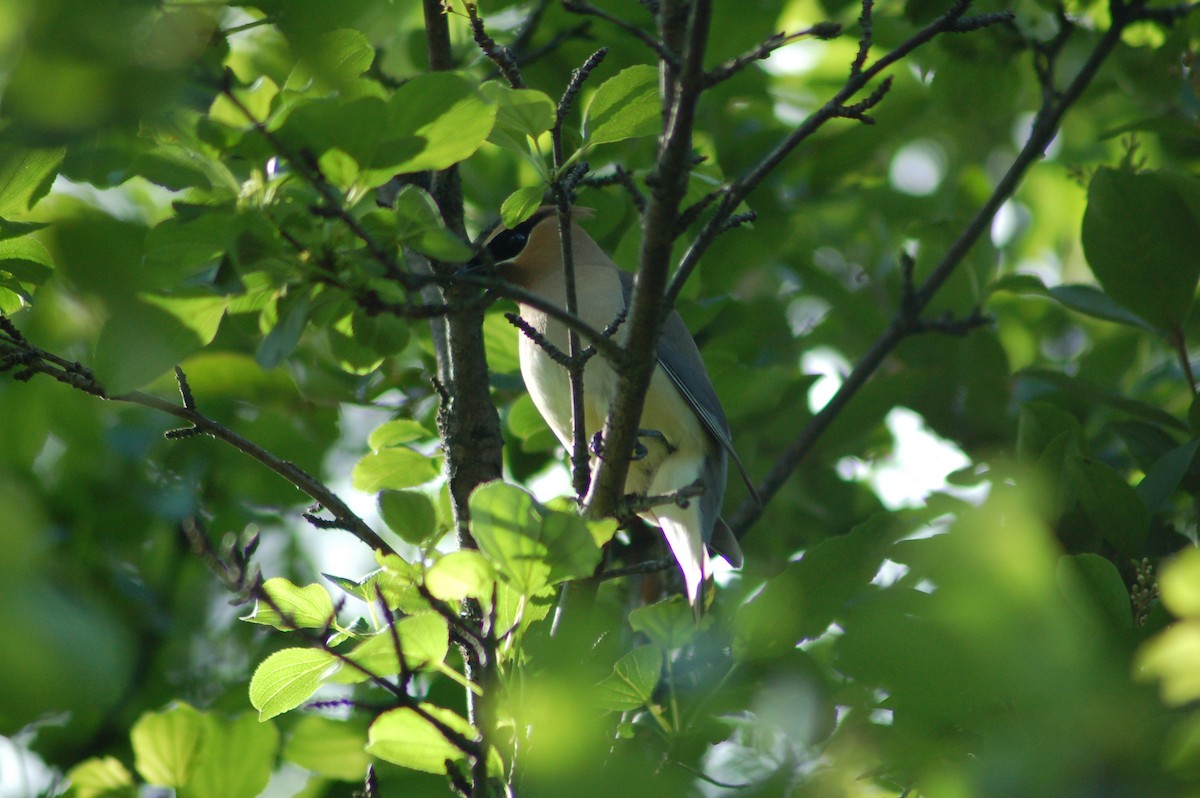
{"x":679,"y":356}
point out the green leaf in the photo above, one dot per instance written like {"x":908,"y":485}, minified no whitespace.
{"x":396,"y":432}
{"x":625,"y":106}
{"x":26,"y":259}
{"x":395,"y":468}
{"x":632,"y":682}
{"x":409,"y":514}
{"x":521,"y":113}
{"x":293,"y":312}
{"x":669,"y":624}
{"x":202,"y":314}
{"x":288,"y":678}
{"x":237,"y":759}
{"x":438,"y":119}
{"x":419,"y":226}
{"x":801,"y":602}
{"x":338,"y":168}
{"x":424,"y":641}
{"x":1165,"y":475}
{"x":459,"y":575}
{"x":1095,"y":581}
{"x":520,"y":205}
{"x":1173,"y":658}
{"x":507,"y":529}
{"x":571,"y":551}
{"x":9,"y":229}
{"x":381,"y":333}
{"x":295,"y":607}
{"x":101,"y":777}
{"x":404,"y":737}
{"x":342,"y":55}
{"x":26,"y":176}
{"x":1092,"y":301}
{"x":328,"y":747}
{"x":140,"y":343}
{"x":183,"y":245}
{"x":1115,"y":509}
{"x":1179,"y":584}
{"x":166,"y":745}
{"x":1040,"y":424}
{"x":1140,"y":234}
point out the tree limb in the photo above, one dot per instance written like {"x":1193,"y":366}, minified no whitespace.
{"x":1045,"y":126}
{"x":15,"y":352}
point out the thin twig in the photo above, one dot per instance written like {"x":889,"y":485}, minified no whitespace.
{"x":648,"y":567}
{"x":561,"y":186}
{"x":497,"y":53}
{"x":822,"y":30}
{"x":636,"y":31}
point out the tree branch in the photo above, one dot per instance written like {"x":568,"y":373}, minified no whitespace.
{"x":838,"y":106}
{"x":636,"y":31}
{"x":907,"y":321}
{"x":668,"y":184}
{"x":561,"y":188}
{"x":15,"y":352}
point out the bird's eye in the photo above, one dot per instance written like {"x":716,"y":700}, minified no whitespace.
{"x":508,"y":244}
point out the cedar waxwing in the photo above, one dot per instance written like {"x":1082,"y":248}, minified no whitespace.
{"x":683,"y":430}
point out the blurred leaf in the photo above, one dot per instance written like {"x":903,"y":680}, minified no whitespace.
{"x":288,"y":678}
{"x":338,"y":168}
{"x":294,"y":607}
{"x":1179,"y":584}
{"x":101,"y":777}
{"x":1164,"y":476}
{"x":393,"y":468}
{"x":1115,"y":509}
{"x":1090,"y":300}
{"x":625,"y":106}
{"x":1040,"y":424}
{"x":237,"y":759}
{"x":632,"y":682}
{"x":801,"y":602}
{"x":167,"y":745}
{"x":329,"y":747}
{"x":420,"y":226}
{"x":1137,"y":233}
{"x":571,"y":551}
{"x":409,"y":514}
{"x":1096,"y":578}
{"x":669,"y":624}
{"x":293,"y":316}
{"x":1172,"y":658}
{"x":139,"y":344}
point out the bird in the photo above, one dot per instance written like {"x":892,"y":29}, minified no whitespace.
{"x":684,"y":437}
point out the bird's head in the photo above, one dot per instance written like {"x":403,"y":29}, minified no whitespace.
{"x":530,"y":252}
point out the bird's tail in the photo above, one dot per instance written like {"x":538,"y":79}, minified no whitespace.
{"x":682,"y":529}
